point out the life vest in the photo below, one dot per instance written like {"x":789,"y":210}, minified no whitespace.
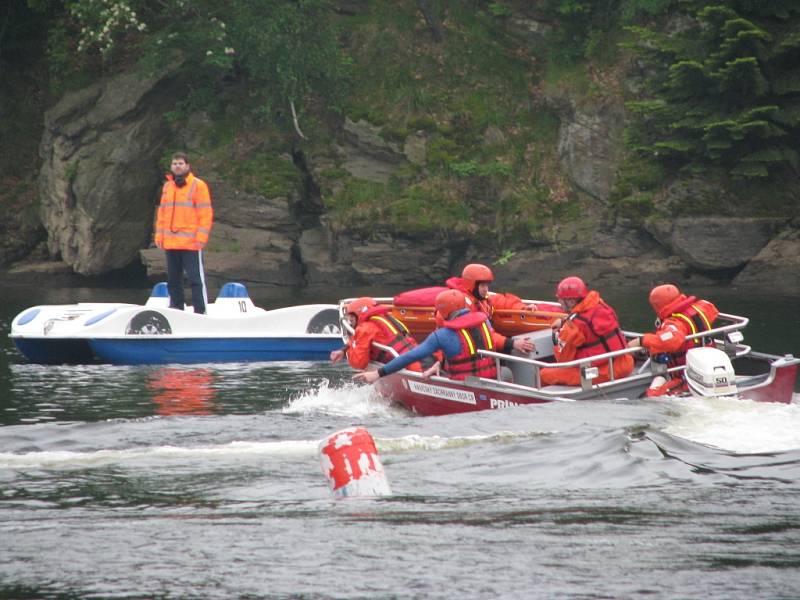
{"x":394,"y":334}
{"x":697,"y":316}
{"x":184,"y":215}
{"x":600,"y":329}
{"x":474,"y":334}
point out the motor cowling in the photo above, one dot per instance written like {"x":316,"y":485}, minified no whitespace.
{"x":709,"y":373}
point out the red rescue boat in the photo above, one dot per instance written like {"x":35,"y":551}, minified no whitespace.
{"x":709,"y":372}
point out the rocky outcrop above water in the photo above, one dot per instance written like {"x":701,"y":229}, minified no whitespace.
{"x":590,"y":145}
{"x":776,"y":268}
{"x":100,"y":177}
{"x":715,"y":243}
{"x":100,"y":151}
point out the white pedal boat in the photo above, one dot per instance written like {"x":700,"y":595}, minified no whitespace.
{"x":233,"y":330}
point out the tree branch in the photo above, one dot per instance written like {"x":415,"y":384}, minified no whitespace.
{"x":294,"y":120}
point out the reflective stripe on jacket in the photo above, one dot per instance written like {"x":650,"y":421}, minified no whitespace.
{"x":394,"y":334}
{"x":698,"y":317}
{"x":687,"y":316}
{"x":468,"y":361}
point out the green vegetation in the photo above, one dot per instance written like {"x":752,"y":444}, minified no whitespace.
{"x":723,"y":89}
{"x":266,"y":173}
{"x":719,"y":94}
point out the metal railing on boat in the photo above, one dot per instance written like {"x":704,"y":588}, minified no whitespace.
{"x":587,"y":366}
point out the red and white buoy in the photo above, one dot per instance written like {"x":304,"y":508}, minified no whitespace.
{"x":349,"y":460}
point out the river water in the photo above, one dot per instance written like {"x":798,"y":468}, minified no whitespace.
{"x":204,"y":482}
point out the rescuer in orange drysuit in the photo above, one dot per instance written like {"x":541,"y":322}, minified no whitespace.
{"x":373,"y":323}
{"x":590,"y":328}
{"x":474,"y":284}
{"x":462,"y":334}
{"x":678,"y":316}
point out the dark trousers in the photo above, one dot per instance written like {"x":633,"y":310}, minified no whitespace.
{"x":191,"y":262}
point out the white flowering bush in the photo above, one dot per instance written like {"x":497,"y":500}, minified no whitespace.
{"x":287,"y":49}
{"x":102,"y":22}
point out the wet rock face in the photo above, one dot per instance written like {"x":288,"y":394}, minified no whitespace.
{"x":590,"y":146}
{"x":776,"y":268}
{"x":100,"y":182}
{"x":716,"y":243}
{"x":366,"y":154}
{"x":99,"y":178}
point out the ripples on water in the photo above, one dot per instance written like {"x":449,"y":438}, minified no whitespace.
{"x":204,"y":481}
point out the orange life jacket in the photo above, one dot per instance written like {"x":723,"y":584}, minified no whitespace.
{"x":184,"y":215}
{"x":474,"y":334}
{"x":600,"y":328}
{"x":394,"y":334}
{"x":693,"y":316}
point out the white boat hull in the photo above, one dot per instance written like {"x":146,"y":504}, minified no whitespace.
{"x":234,"y":330}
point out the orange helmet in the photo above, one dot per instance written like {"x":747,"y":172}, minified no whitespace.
{"x":359,"y":306}
{"x":449,"y":301}
{"x":661,"y":296}
{"x":476,"y":272}
{"x":571,"y":288}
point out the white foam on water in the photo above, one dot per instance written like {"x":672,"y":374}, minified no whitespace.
{"x":70,"y":459}
{"x":738,"y":425}
{"x":347,"y":400}
{"x":66,"y":459}
{"x":411,"y":443}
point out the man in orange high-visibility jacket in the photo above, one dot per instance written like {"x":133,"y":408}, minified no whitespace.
{"x":183,"y":225}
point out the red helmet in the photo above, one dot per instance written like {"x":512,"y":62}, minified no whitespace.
{"x":449,"y":301}
{"x":476,"y":272}
{"x":359,"y":306}
{"x":661,"y":296}
{"x":571,"y":288}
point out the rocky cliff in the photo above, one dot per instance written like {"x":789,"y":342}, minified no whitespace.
{"x":103,"y":151}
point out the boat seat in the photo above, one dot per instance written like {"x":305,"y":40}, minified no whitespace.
{"x":159,"y":297}
{"x":233,"y":297}
{"x":233,"y":290}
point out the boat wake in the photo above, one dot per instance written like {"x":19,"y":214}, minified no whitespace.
{"x":62,"y":459}
{"x":414,"y":443}
{"x":237,"y":450}
{"x":738,"y":425}
{"x":710,"y":463}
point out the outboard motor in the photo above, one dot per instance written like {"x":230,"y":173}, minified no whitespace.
{"x":709,"y":373}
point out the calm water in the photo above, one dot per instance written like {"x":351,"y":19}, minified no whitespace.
{"x":204,"y":482}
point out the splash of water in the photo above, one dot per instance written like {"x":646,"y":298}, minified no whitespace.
{"x":738,"y":425}
{"x":345,"y":400}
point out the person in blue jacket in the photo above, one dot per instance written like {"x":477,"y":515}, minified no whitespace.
{"x":462,"y":335}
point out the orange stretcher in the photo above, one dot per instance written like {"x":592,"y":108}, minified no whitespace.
{"x":415,"y":309}
{"x":421,"y":320}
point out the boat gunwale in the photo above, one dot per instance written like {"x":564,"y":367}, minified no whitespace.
{"x":587,"y":389}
